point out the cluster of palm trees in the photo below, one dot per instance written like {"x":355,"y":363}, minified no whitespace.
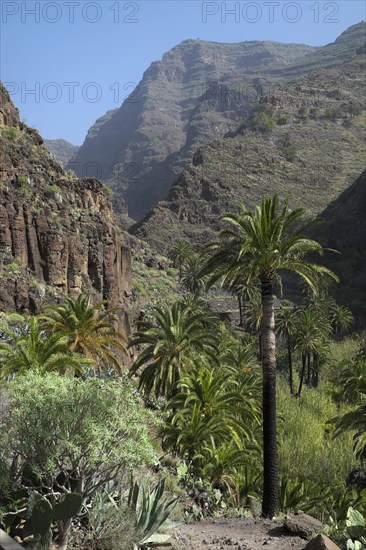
{"x":253,"y":250}
{"x":210,"y":385}
{"x":73,"y":336}
{"x":207,"y":376}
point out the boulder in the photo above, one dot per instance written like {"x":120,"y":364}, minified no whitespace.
{"x":302,"y":525}
{"x":321,"y":542}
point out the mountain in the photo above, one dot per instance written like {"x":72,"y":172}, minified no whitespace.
{"x":61,"y":150}
{"x":58,"y":233}
{"x":305,"y":141}
{"x":198,"y":92}
{"x":344,"y":229}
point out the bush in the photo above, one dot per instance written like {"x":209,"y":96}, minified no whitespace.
{"x":73,"y":435}
{"x":307,"y":449}
{"x":10,"y":132}
{"x":264,"y":119}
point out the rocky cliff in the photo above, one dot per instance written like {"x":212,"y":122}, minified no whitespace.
{"x":198,"y":92}
{"x":344,"y":229}
{"x":61,"y":150}
{"x":305,"y":141}
{"x":58,"y":234}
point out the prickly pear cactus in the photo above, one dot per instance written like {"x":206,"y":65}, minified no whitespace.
{"x":42,"y":514}
{"x":68,"y":508}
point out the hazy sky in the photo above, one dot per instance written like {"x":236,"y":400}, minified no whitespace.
{"x":66,"y":62}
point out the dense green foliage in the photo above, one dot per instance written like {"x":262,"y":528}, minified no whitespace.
{"x":72,"y":424}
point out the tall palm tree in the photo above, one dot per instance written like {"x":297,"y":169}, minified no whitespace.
{"x":263,"y":242}
{"x":90,"y":329}
{"x":173,"y":338}
{"x":35,"y":350}
{"x":286,"y":324}
{"x":180,"y":252}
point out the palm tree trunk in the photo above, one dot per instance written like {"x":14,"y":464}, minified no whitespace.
{"x":291,"y":376}
{"x":268,"y":355}
{"x":308,"y":376}
{"x":241,"y":320}
{"x":302,"y":373}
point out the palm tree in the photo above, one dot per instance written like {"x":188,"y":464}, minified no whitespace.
{"x":286,"y":324}
{"x":263,"y":242}
{"x":180,"y":252}
{"x":342,"y":319}
{"x":37,"y":351}
{"x":191,"y":276}
{"x":90,"y":329}
{"x":210,"y":407}
{"x":310,"y":332}
{"x":173,"y":338}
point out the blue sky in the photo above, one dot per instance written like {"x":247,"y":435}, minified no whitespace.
{"x":83,"y":57}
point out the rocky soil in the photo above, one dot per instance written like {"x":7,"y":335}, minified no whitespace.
{"x":239,"y":534}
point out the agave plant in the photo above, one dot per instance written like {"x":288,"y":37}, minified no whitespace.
{"x":152,"y":512}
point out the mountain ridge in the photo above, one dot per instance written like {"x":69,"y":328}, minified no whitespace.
{"x":143,"y":146}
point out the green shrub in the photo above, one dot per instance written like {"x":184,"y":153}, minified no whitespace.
{"x":10,"y":132}
{"x":107,"y":190}
{"x":52,"y":189}
{"x":57,"y":421}
{"x":307,"y":449}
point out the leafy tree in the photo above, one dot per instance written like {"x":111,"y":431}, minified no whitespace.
{"x":266,"y":241}
{"x":172,"y":338}
{"x":90,"y":330}
{"x":65,"y":435}
{"x":34,"y":350}
{"x":180,"y":252}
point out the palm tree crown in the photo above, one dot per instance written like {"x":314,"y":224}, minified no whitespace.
{"x":90,"y":329}
{"x":37,"y":351}
{"x":173,"y":338}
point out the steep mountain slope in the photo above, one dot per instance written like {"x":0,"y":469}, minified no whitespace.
{"x":306,"y":142}
{"x":61,"y":150}
{"x":58,"y":234}
{"x":197,"y":93}
{"x":344,"y":229}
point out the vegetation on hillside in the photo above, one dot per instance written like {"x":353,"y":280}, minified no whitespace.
{"x":180,"y":432}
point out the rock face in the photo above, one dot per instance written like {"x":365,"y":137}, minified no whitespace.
{"x":61,"y":150}
{"x":58,"y":233}
{"x":344,"y":229}
{"x":313,"y":151}
{"x":198,"y":92}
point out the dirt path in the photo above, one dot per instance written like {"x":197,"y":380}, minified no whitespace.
{"x":241,"y":534}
